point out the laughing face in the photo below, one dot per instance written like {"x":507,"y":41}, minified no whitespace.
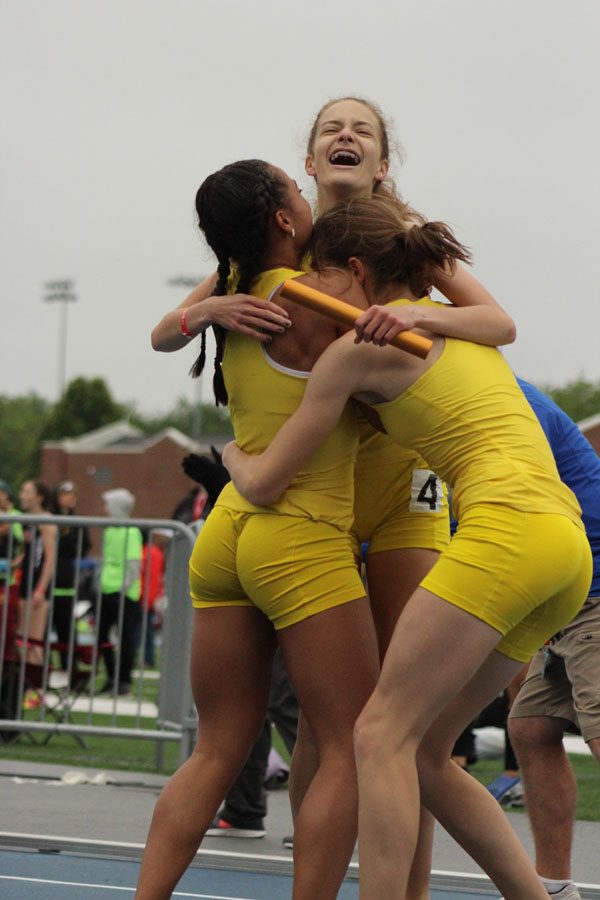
{"x":346,"y":156}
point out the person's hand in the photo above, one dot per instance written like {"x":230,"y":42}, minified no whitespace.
{"x":38,"y":597}
{"x":245,"y":314}
{"x":242,"y":467}
{"x":210,"y":473}
{"x":380,"y":324}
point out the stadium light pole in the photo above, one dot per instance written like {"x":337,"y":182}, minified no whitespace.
{"x":62,"y":292}
{"x":186,"y":281}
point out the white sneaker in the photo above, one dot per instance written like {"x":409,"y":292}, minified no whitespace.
{"x":569,"y":892}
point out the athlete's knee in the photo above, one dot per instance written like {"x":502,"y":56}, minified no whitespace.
{"x":367,"y":728}
{"x":375,"y":735}
{"x":224,"y":758}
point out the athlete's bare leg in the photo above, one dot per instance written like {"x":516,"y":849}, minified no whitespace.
{"x":421,"y":675}
{"x":441,"y":780}
{"x":333,"y":665}
{"x":232,"y":651}
{"x":305,"y":762}
{"x":393,"y":576}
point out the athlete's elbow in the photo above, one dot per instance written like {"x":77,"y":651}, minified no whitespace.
{"x":162,"y":342}
{"x":511,"y":331}
{"x":262,"y":494}
{"x":260,"y":488}
{"x":501,"y":331}
{"x":155,"y":340}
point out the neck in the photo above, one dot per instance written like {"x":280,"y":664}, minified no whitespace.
{"x":329,"y":196}
{"x":390,"y":292}
{"x":283,"y":255}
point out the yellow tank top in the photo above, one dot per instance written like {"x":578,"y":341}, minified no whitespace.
{"x":469,"y":419}
{"x":379,"y":457}
{"x":262,"y":395}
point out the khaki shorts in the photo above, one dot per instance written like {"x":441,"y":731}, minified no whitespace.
{"x":570,"y":686}
{"x":288,"y":567}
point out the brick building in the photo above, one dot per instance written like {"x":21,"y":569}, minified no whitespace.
{"x":120,"y":455}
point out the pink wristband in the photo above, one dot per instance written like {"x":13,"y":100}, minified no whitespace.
{"x":184,"y":325}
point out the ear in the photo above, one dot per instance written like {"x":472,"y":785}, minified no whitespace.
{"x":309,"y":167}
{"x":282,"y":220}
{"x":384,"y":167}
{"x":357,"y":268}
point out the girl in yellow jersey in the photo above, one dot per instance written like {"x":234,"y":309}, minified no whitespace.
{"x":348,"y":153}
{"x":517,"y":570}
{"x":284,"y":573}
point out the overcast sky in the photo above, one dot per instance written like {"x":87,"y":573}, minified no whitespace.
{"x":113,"y":112}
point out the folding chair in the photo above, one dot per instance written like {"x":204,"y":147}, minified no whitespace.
{"x":39,"y":691}
{"x":56,"y":695}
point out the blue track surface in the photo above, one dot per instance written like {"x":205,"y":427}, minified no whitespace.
{"x":50,"y":876}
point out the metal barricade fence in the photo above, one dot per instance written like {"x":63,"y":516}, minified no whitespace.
{"x":59,"y":671}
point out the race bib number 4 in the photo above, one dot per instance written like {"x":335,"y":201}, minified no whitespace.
{"x":427,"y":492}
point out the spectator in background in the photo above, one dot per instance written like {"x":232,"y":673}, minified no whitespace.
{"x":11,"y":557}
{"x":73,"y":544}
{"x":38,"y":566}
{"x":120,"y":585}
{"x":153,"y":587}
{"x":562,"y":690}
{"x":11,"y":547}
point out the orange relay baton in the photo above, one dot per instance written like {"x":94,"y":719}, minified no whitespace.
{"x":344,"y":312}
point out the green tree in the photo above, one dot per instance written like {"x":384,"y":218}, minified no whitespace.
{"x":21,"y":422}
{"x":580,"y":399}
{"x":85,"y":405}
{"x":190,"y":418}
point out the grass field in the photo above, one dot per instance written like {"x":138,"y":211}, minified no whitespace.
{"x":136,"y":755}
{"x":587,"y":772}
{"x":129,"y":754}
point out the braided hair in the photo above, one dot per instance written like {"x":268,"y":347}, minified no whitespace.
{"x":234,"y":207}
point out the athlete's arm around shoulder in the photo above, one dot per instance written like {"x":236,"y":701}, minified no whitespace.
{"x":337,"y":374}
{"x":479,"y":318}
{"x":236,"y":312}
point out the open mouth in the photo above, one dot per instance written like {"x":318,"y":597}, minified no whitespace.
{"x":344,"y":158}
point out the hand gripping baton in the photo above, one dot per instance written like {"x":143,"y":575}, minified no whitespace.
{"x":344,"y":312}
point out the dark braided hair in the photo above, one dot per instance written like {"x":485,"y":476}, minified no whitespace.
{"x":234,"y":207}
